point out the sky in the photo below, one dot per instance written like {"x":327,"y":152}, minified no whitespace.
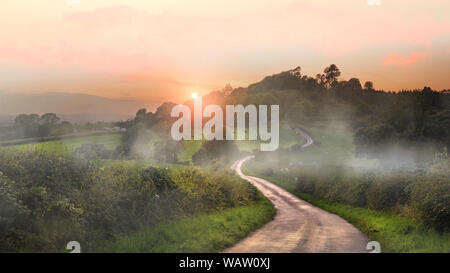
{"x":164,"y":50}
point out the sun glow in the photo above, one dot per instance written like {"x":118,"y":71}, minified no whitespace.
{"x":194,"y":95}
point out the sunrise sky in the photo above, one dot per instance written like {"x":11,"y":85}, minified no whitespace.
{"x":160,"y":50}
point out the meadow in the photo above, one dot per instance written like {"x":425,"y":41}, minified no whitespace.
{"x":67,"y":146}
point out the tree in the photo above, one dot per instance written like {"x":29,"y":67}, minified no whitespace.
{"x":49,"y":118}
{"x":368,"y":85}
{"x":167,"y":150}
{"x":297,"y":72}
{"x":47,"y":124}
{"x":215,"y":149}
{"x":26,"y":125}
{"x":227,"y":89}
{"x":354,"y":84}
{"x":332,"y":73}
{"x":141,"y":113}
{"x":320,"y":79}
{"x":65,"y":128}
{"x":164,"y":110}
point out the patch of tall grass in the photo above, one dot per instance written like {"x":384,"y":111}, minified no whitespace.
{"x":212,"y":232}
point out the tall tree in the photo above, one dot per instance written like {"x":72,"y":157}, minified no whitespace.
{"x":26,"y":125}
{"x":368,"y":85}
{"x":332,"y":73}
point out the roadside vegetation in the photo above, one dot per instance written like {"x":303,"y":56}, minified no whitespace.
{"x":212,"y":232}
{"x":395,"y":233}
{"x":47,"y":200}
{"x":405,"y":210}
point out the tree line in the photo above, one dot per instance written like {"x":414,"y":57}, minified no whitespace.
{"x":46,"y":125}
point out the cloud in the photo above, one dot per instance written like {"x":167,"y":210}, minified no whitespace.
{"x":413,"y":58}
{"x":212,"y":43}
{"x":105,"y":17}
{"x":73,"y":2}
{"x":374,"y":2}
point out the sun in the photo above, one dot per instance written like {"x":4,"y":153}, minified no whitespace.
{"x":194,"y":95}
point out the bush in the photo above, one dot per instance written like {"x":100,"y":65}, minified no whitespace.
{"x":56,"y":199}
{"x":388,"y":191}
{"x":432,"y":199}
{"x":422,"y":194}
{"x":431,"y":194}
{"x":215,"y":149}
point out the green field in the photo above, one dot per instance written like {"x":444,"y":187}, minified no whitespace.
{"x":288,"y":138}
{"x":190,"y":148}
{"x":333,"y":145}
{"x":111,"y":141}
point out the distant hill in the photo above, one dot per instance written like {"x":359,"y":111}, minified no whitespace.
{"x":71,"y":107}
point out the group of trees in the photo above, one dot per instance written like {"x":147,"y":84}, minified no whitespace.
{"x":49,"y":124}
{"x":381,"y":119}
{"x":148,"y":136}
{"x":33,"y":125}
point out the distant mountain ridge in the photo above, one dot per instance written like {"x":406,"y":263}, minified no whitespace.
{"x":73,"y":107}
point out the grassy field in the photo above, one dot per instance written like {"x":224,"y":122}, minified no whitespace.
{"x":332,"y":145}
{"x":190,"y":148}
{"x":111,"y":141}
{"x":288,"y":138}
{"x":212,"y":232}
{"x":395,"y":233}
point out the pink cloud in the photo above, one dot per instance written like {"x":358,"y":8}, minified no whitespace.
{"x":105,"y":17}
{"x":413,"y":58}
{"x":329,"y":32}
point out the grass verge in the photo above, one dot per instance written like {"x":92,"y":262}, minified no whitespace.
{"x":212,"y":232}
{"x":395,"y":233}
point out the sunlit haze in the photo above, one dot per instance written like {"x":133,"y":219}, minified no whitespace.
{"x":164,"y":50}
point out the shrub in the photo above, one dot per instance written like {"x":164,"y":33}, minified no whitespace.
{"x":431,"y":194}
{"x":215,"y":149}
{"x":422,"y":193}
{"x":56,"y":199}
{"x":389,"y":190}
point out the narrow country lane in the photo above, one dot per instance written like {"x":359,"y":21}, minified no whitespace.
{"x":298,"y":226}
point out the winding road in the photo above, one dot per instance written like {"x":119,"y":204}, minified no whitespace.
{"x":298,"y":226}
{"x":309,"y":140}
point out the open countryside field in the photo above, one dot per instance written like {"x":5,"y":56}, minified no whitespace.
{"x":110,"y":141}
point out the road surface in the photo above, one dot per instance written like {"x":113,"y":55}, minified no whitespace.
{"x":309,"y":140}
{"x":298,"y":226}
